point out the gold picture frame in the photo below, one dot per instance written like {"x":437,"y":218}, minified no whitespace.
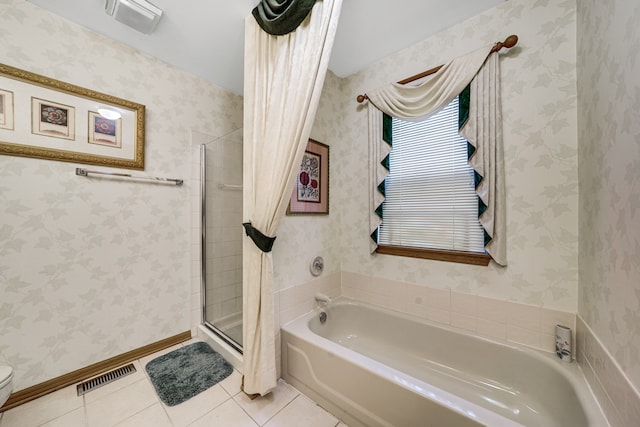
{"x":49,"y":119}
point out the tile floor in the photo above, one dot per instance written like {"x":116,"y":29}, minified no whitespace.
{"x":131,"y":401}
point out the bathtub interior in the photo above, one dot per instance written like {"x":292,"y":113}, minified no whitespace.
{"x":348,"y":390}
{"x":526,"y":386}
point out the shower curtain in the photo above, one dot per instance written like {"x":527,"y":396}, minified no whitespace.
{"x":284,"y":76}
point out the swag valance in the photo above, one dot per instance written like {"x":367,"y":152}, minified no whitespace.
{"x":482,"y":129}
{"x":279,"y":17}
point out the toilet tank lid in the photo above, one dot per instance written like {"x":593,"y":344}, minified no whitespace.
{"x":5,"y":373}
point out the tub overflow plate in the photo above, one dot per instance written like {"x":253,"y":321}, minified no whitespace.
{"x":323,"y":317}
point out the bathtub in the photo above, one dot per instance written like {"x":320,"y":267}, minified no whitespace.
{"x":374,"y":367}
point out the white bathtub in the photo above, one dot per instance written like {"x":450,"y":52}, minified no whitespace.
{"x":373,"y":367}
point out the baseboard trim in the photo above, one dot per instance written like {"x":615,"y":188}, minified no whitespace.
{"x":39,"y":390}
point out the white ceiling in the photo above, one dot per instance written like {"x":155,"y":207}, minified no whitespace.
{"x":205,"y":37}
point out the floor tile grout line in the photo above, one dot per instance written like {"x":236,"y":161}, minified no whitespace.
{"x":159,"y":401}
{"x":59,"y":416}
{"x":164,"y":406}
{"x":228,"y":392}
{"x":282,"y":409}
{"x":229,"y":397}
{"x":86,"y":413}
{"x":212,"y":409}
{"x":84,"y":409}
{"x":98,"y":399}
{"x":166,"y":414}
{"x":244,"y":410}
{"x":133,"y":415}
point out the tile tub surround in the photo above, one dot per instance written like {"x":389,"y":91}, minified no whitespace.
{"x":295,"y":301}
{"x":618,"y":398}
{"x":529,"y":325}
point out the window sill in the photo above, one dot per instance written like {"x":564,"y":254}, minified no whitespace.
{"x":472,"y":258}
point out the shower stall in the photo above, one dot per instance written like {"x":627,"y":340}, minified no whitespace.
{"x":221,"y":260}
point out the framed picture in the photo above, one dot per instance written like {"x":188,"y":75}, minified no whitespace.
{"x":310,"y":193}
{"x":52,"y":119}
{"x":48,"y":119}
{"x":104,"y":131}
{"x":6,"y":109}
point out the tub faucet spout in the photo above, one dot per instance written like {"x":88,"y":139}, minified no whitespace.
{"x":323,"y":299}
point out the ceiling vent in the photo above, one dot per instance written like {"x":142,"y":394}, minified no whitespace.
{"x":137,"y":14}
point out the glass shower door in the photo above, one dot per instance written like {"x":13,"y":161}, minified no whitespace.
{"x":221,"y":180}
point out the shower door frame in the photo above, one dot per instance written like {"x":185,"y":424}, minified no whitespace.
{"x":203,"y":254}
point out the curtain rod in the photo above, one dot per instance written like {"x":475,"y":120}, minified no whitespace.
{"x":509,"y":42}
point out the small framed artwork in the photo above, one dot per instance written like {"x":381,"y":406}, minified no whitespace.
{"x":52,"y":119}
{"x":310,"y":193}
{"x":6,"y":109}
{"x":104,"y":131}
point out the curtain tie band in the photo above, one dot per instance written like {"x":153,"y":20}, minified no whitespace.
{"x":280,"y":17}
{"x":264,"y":243}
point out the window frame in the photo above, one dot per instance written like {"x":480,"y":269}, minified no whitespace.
{"x":447,"y":255}
{"x":462,"y":257}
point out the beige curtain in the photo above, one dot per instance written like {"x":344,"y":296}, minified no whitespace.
{"x":283,"y":76}
{"x":483,"y":131}
{"x":434,"y":93}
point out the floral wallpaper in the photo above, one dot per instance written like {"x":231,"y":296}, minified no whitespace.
{"x":609,"y":165}
{"x":539,"y":111}
{"x":92,"y":268}
{"x":301,"y":237}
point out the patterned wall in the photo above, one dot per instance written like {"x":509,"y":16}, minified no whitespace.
{"x":539,"y":109}
{"x":92,"y":268}
{"x":609,"y":158}
{"x":301,"y":237}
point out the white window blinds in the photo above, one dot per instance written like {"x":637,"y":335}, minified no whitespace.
{"x":430,"y":198}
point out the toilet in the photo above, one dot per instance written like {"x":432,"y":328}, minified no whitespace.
{"x":6,"y":384}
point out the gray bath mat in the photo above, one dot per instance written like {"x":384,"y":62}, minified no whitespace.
{"x":183,"y":373}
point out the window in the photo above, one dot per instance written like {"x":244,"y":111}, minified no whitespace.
{"x":430,"y":206}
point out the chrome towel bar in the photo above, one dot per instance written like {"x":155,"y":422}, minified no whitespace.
{"x":85,"y":172}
